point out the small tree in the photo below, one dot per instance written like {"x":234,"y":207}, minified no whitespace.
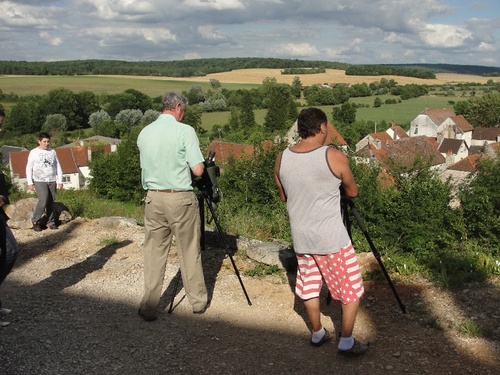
{"x":149,"y":116}
{"x":98,"y":118}
{"x":129,"y":118}
{"x":55,"y":123}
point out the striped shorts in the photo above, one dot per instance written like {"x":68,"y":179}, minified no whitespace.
{"x":340,"y":271}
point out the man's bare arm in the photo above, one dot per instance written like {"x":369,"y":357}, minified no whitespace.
{"x":277,"y":164}
{"x":339,"y":164}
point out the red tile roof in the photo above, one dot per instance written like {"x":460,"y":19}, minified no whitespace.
{"x":462,"y":123}
{"x":467,"y":164}
{"x":334,"y":137}
{"x":399,"y":132}
{"x":487,"y":134}
{"x":405,"y":151}
{"x":225,"y":151}
{"x":438,"y":115}
{"x":18,"y":161}
{"x":449,"y":145}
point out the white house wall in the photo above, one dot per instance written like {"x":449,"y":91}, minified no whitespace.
{"x":73,"y":183}
{"x":423,"y":125}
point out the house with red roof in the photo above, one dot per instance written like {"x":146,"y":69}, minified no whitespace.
{"x":456,"y":127}
{"x":403,"y":151}
{"x":224,"y":151}
{"x":453,"y":150}
{"x":429,"y":121}
{"x":482,"y":136}
{"x":393,"y":133}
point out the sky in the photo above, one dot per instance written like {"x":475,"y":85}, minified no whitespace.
{"x":349,"y":31}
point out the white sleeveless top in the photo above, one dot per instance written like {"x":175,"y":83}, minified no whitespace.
{"x":313,"y":202}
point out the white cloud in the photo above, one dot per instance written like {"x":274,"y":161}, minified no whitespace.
{"x":485,"y":47}
{"x":210,"y":32}
{"x":296,"y":49}
{"x":439,"y":35}
{"x":47,"y":38}
{"x":215,"y":4}
{"x":108,"y":34}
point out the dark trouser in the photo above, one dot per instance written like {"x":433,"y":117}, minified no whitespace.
{"x":46,"y":192}
{"x":9,"y":249}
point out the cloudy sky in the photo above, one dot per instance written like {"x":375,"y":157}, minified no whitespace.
{"x":350,"y":31}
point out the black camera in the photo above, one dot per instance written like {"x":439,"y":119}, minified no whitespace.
{"x":207,"y":182}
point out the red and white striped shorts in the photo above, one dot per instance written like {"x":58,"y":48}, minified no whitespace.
{"x":340,"y":271}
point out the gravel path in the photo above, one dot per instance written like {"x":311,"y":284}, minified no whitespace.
{"x":75,"y":292}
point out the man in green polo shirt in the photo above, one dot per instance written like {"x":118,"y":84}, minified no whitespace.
{"x":169,"y":153}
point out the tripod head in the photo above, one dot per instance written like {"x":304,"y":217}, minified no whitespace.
{"x":207,"y":182}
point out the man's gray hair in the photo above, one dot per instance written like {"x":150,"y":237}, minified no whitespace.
{"x":171,"y":99}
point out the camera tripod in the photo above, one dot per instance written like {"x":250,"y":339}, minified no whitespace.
{"x":346,"y":203}
{"x":205,"y":197}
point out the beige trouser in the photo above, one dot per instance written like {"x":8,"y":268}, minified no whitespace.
{"x":168,"y":214}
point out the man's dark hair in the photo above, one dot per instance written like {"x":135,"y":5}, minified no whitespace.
{"x":43,"y":135}
{"x":2,"y":112}
{"x":309,"y":122}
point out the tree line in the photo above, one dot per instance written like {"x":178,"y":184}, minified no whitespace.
{"x":201,"y":67}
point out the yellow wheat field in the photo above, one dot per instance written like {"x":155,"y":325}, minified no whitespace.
{"x":256,"y":76}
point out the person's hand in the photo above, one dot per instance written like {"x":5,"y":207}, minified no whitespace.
{"x":31,"y":187}
{"x":59,"y":186}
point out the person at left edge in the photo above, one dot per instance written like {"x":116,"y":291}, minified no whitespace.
{"x":169,"y":153}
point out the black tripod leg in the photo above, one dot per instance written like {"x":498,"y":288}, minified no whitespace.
{"x":226,"y":247}
{"x":202,"y":220}
{"x":376,"y":254}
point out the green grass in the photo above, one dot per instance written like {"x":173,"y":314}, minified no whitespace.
{"x":471,"y":329}
{"x":84,"y":204}
{"x":108,"y":241}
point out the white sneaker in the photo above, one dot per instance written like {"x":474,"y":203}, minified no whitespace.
{"x":4,"y":324}
{"x":4,"y":311}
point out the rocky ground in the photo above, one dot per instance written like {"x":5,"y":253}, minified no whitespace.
{"x":75,"y":293}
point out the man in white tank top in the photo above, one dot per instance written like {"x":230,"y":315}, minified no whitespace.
{"x":309,"y":176}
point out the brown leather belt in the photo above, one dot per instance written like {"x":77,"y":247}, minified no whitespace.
{"x":168,"y":191}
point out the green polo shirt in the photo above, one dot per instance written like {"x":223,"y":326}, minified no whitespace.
{"x":168,"y":150}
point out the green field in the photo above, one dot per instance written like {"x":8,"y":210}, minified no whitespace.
{"x":402,"y":113}
{"x":39,"y":85}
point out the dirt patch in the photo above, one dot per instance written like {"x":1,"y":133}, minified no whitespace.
{"x":75,"y":292}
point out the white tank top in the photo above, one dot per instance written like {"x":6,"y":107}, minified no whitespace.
{"x":313,"y":202}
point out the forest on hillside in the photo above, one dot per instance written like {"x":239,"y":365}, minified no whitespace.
{"x":202,"y":67}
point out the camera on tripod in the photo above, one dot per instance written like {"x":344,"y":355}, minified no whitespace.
{"x":207,"y":182}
